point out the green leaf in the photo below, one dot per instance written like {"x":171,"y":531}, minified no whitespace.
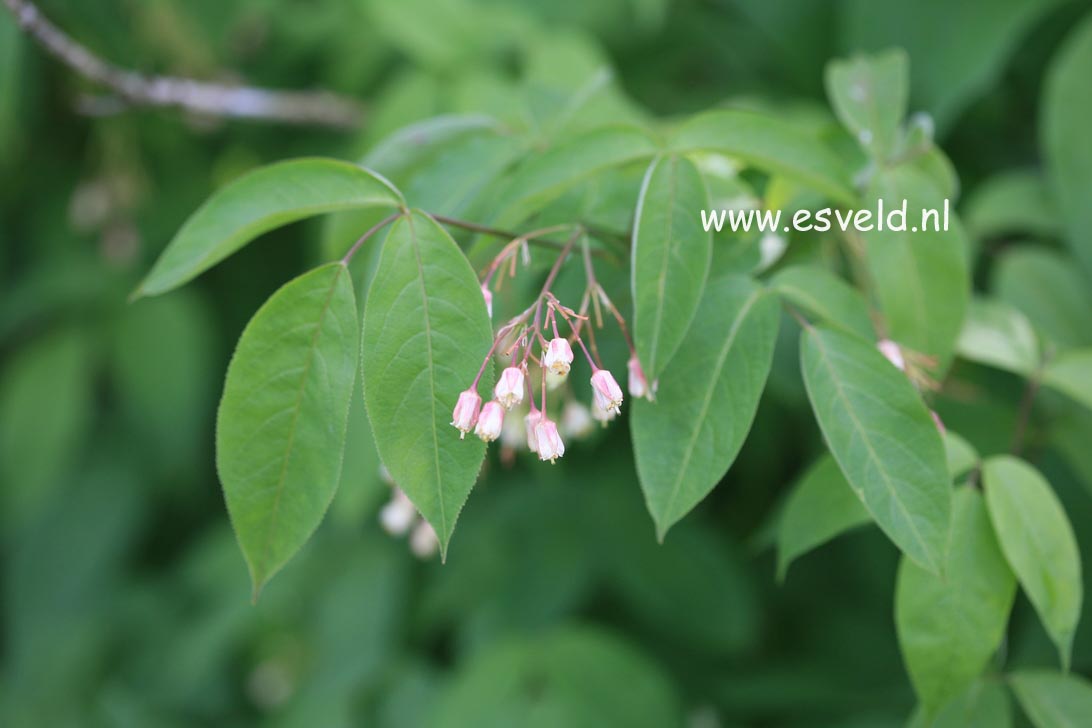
{"x":1039,"y":544}
{"x":267,"y":198}
{"x":825,"y":296}
{"x":1052,"y":699}
{"x":869,"y":96}
{"x":1011,"y":203}
{"x":770,"y":144}
{"x":1051,"y":291}
{"x":999,"y":335}
{"x":820,"y":507}
{"x":1067,"y":105}
{"x":948,"y":74}
{"x":921,"y":278}
{"x":934,"y":615}
{"x":544,"y":177}
{"x":671,"y":256}
{"x":46,"y":405}
{"x":686,"y":440}
{"x":883,"y":438}
{"x":426,"y":332}
{"x":174,"y":419}
{"x":412,"y":144}
{"x":961,"y":455}
{"x":577,"y":678}
{"x":280,"y":430}
{"x":1071,"y":374}
{"x":984,"y":704}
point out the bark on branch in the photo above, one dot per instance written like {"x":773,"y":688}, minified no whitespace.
{"x":212,"y":99}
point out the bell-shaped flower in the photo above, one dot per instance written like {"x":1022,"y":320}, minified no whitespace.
{"x":510,"y":387}
{"x":466,"y":412}
{"x":576,"y":419}
{"x":530,"y":422}
{"x":558,"y":357}
{"x":601,"y":415}
{"x":423,"y":542}
{"x":608,"y":395}
{"x":550,"y":446}
{"x":893,"y":353}
{"x":398,"y":514}
{"x":490,"y":422}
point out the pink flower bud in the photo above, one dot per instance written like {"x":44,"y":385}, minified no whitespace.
{"x":550,"y":446}
{"x":466,"y":412}
{"x":490,"y":422}
{"x":608,"y":394}
{"x":530,"y":422}
{"x":509,"y":389}
{"x":488,"y":296}
{"x":558,"y":357}
{"x":891,"y":350}
{"x":638,"y":384}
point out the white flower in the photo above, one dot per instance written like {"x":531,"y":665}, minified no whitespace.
{"x":576,"y":419}
{"x":558,"y":357}
{"x":530,"y":422}
{"x":488,"y":296}
{"x":550,"y":446}
{"x":509,"y":389}
{"x":397,"y":515}
{"x":893,"y":353}
{"x":490,"y":422}
{"x":601,"y":415}
{"x":423,"y":542}
{"x":608,"y":394}
{"x":466,"y":412}
{"x":638,"y":384}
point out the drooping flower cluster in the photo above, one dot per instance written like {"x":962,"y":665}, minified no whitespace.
{"x":530,"y":356}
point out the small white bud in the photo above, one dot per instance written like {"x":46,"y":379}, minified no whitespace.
{"x":397,"y":515}
{"x":423,"y":541}
{"x":576,"y":419}
{"x":893,"y":353}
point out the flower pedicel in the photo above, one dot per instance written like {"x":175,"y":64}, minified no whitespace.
{"x":524,"y":339}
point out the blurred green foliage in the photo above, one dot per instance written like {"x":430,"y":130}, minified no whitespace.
{"x":123,"y":598}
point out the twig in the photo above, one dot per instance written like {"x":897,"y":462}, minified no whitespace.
{"x":497,"y":233}
{"x":212,"y":99}
{"x":370,"y":232}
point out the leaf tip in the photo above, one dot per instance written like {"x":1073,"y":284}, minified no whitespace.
{"x":256,"y":591}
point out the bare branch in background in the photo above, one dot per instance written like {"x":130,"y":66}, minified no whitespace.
{"x":242,"y":102}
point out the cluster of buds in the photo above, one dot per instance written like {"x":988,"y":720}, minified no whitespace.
{"x":522,"y":342}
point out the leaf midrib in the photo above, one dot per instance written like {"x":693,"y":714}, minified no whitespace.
{"x":279,"y":490}
{"x":704,"y":413}
{"x":431,"y":376}
{"x":661,"y":283}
